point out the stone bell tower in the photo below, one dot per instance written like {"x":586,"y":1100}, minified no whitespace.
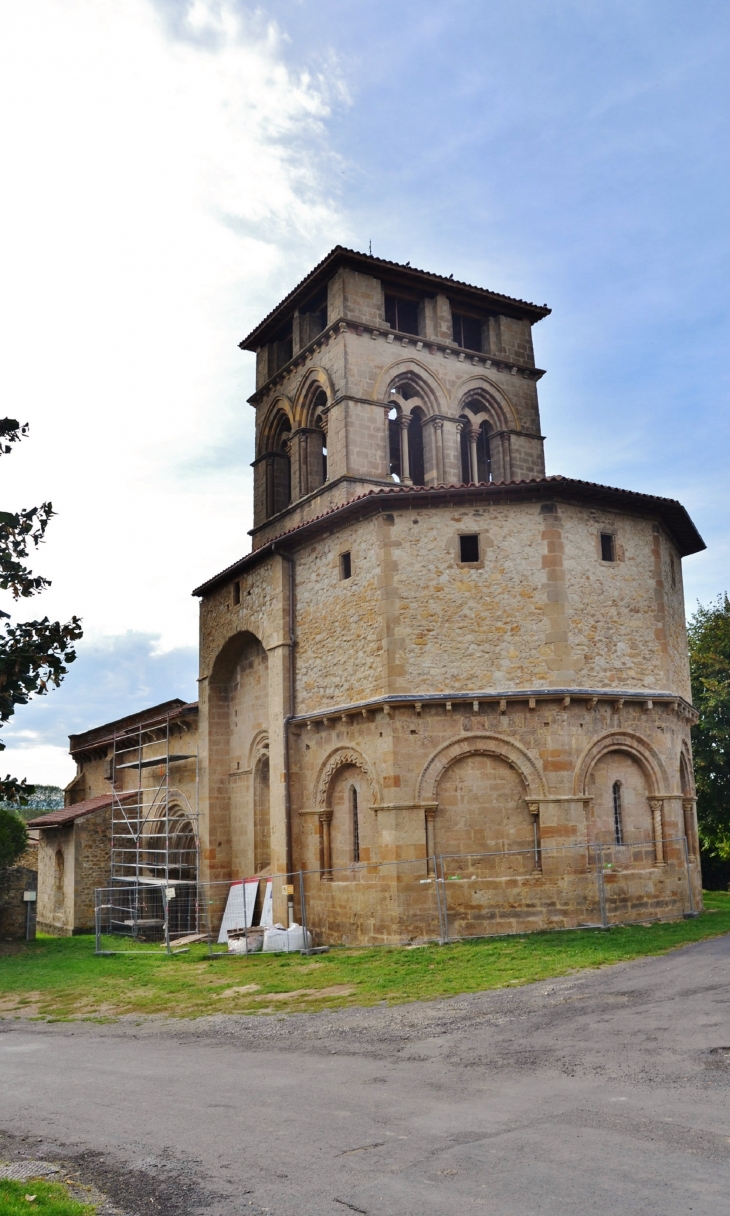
{"x":433,"y":648}
{"x":357,"y":371}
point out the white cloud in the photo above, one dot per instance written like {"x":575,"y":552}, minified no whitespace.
{"x":159,"y":194}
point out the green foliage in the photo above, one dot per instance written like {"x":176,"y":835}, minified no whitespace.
{"x":49,"y":1199}
{"x":45,"y":798}
{"x":13,"y":838}
{"x":709,"y":652}
{"x":34,"y":655}
{"x":60,"y":977}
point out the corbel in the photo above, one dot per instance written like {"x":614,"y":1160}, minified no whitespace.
{"x":618,"y":705}
{"x":531,"y":703}
{"x":503,"y":706}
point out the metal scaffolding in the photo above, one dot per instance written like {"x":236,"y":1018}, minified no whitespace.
{"x":154,"y":831}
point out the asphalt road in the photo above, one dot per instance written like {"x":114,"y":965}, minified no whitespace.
{"x":604,"y":1092}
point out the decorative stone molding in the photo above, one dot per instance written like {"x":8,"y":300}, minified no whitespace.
{"x":490,"y":745}
{"x":336,"y":760}
{"x":633,"y":745}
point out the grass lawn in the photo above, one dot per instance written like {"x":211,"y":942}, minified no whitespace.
{"x":45,"y":1198}
{"x":62,"y":978}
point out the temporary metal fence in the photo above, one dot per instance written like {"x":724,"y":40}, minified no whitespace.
{"x":440,"y":898}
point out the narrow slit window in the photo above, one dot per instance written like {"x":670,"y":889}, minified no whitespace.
{"x":236,"y":592}
{"x":673,"y":571}
{"x":618,"y":824}
{"x":345,"y":565}
{"x":469,"y":548}
{"x":355,"y":825}
{"x":608,"y":547}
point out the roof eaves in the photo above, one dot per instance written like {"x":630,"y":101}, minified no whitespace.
{"x":341,"y":253}
{"x":684,"y":528}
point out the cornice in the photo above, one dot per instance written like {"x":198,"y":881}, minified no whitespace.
{"x":434,"y":346}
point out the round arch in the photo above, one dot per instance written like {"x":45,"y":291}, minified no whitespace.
{"x":490,"y":745}
{"x":259,"y":747}
{"x":336,"y":760}
{"x":224,"y":663}
{"x":632,"y":745}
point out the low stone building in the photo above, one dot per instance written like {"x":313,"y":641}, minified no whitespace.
{"x":118,"y":806}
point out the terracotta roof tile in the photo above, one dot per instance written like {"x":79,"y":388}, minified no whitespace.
{"x":69,"y":814}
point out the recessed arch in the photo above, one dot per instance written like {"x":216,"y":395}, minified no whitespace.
{"x":337,"y":759}
{"x":230,"y":654}
{"x":481,"y":400}
{"x":306,"y":404}
{"x":278,"y":419}
{"x":491,"y":745}
{"x":632,"y":745}
{"x":418,"y":381}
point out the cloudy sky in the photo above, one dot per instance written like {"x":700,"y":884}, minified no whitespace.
{"x":172,"y":167}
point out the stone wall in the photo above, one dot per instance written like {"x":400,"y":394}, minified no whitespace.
{"x":17,"y":918}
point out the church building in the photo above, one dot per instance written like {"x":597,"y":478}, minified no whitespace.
{"x":434,"y":650}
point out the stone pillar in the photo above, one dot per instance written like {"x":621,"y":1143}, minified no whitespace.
{"x":534,"y":809}
{"x":656,"y":811}
{"x":688,"y":810}
{"x":506,"y":457}
{"x":405,"y":470}
{"x":431,"y":836}
{"x":473,"y":458}
{"x":325,"y":818}
{"x":438,"y":435}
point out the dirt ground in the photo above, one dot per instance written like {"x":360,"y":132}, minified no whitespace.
{"x":601,"y":1093}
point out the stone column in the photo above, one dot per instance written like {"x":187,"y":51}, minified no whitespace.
{"x":405,"y":469}
{"x":473,"y":458}
{"x":656,"y":810}
{"x":325,"y":818}
{"x":534,"y":809}
{"x":430,"y":836}
{"x":688,"y":807}
{"x":506,"y":457}
{"x":438,"y":432}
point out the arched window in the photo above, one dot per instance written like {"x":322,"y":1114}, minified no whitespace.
{"x":415,"y":447}
{"x":318,"y":457}
{"x":278,"y":468}
{"x":476,"y":458}
{"x":355,"y":824}
{"x":618,"y":824}
{"x":261,"y":817}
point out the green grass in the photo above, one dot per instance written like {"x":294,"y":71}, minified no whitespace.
{"x":48,"y":1198}
{"x":62,"y":978}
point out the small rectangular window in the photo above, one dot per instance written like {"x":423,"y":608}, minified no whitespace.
{"x":345,"y":565}
{"x":236,"y":593}
{"x":469,"y":548}
{"x":467,"y":331}
{"x":608,"y":547}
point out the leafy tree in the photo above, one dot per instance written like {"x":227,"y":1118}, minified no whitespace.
{"x":709,"y":652}
{"x":33,"y":654}
{"x":13,"y":838}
